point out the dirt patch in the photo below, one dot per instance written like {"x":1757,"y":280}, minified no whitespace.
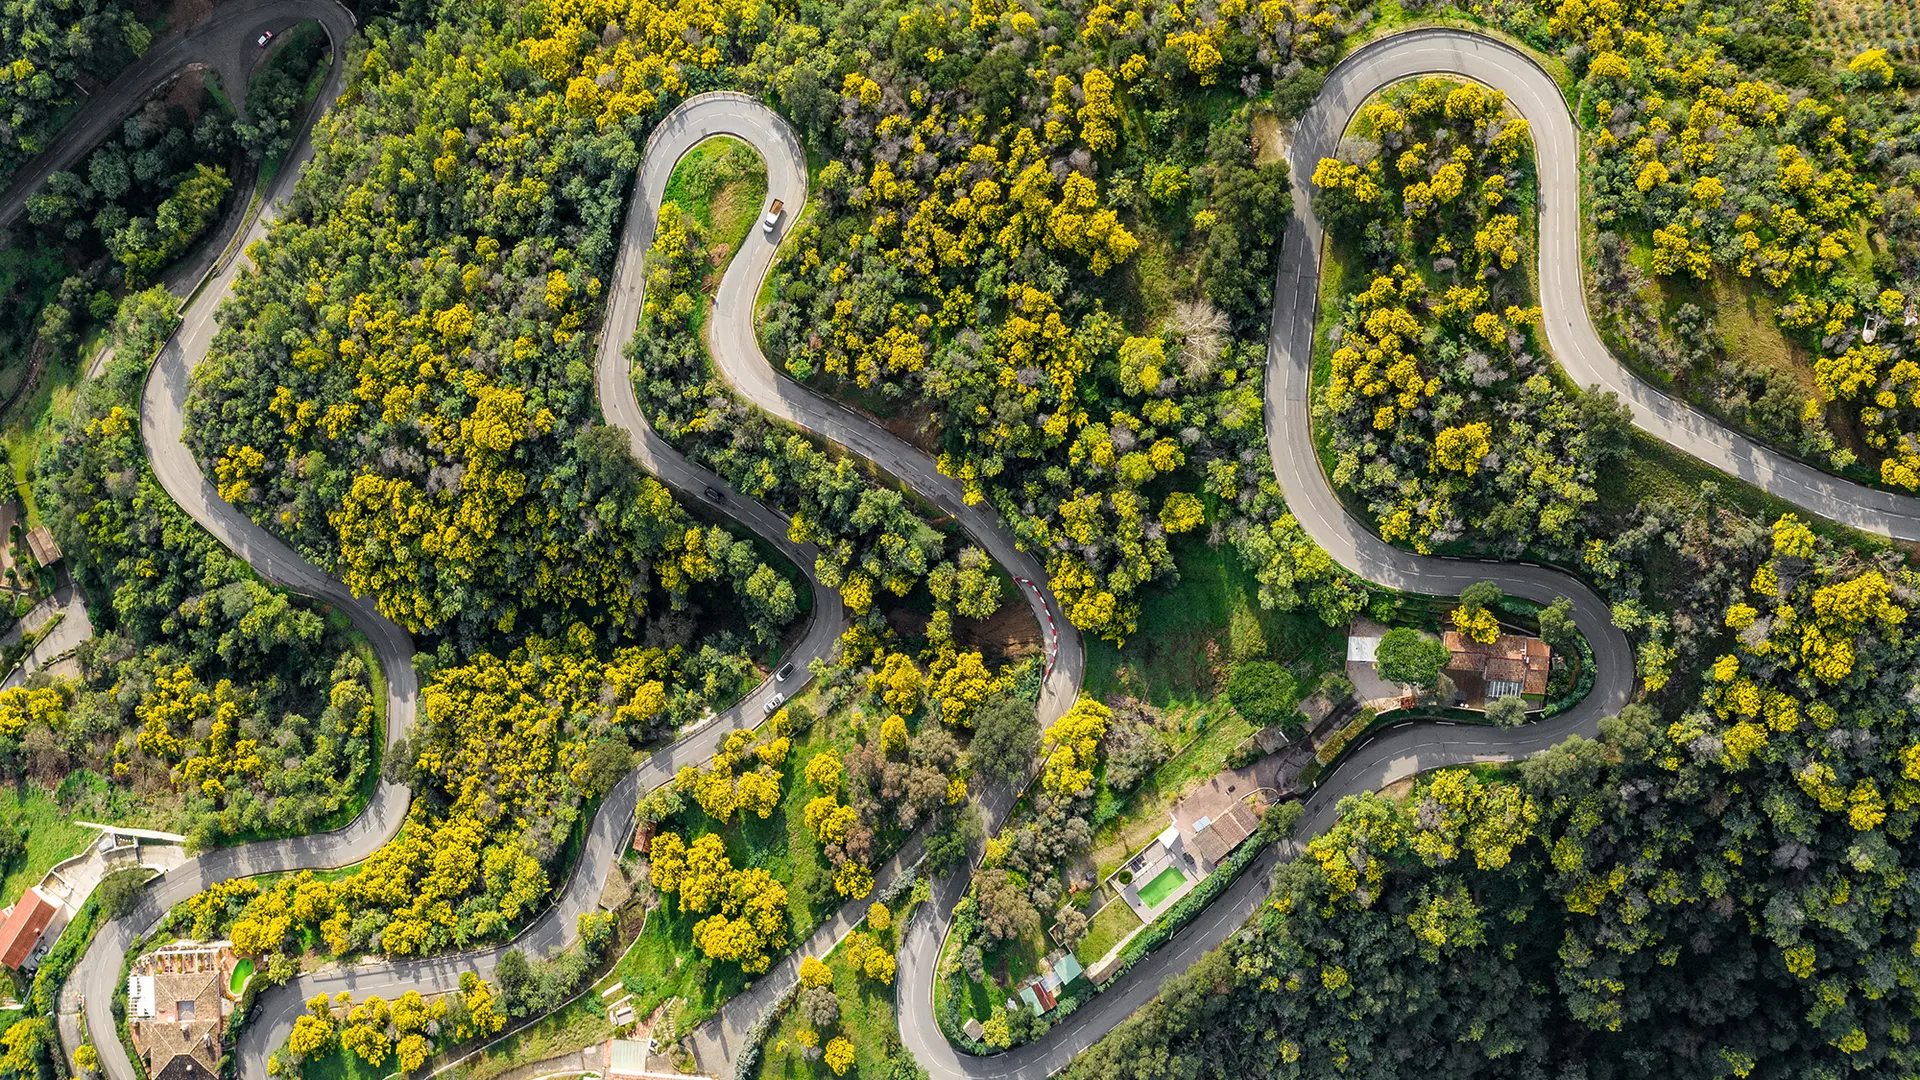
{"x":1012,"y":632}
{"x":918,"y":424}
{"x":1009,"y":634}
{"x":718,"y":256}
{"x":189,"y":90}
{"x":1399,"y":789}
{"x":907,"y":622}
{"x":1269,"y":139}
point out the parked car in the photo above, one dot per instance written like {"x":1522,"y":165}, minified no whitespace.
{"x":775,"y":702}
{"x":265,"y":37}
{"x":781,"y":675}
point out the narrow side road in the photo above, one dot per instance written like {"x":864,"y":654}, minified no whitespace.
{"x":224,"y":41}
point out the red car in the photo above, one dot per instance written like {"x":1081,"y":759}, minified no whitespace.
{"x":265,"y":37}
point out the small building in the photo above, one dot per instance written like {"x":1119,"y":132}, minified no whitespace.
{"x":1363,"y":648}
{"x":1068,"y":968}
{"x":177,"y":1008}
{"x":1213,"y":821}
{"x":974,"y":1028}
{"x":629,"y":1058}
{"x":1513,"y":665}
{"x":23,"y":926}
{"x":1032,"y":999}
{"x":40,"y":543}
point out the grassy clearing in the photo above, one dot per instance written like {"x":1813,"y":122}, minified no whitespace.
{"x":1110,"y":925}
{"x":1748,"y":325}
{"x":564,"y":1032}
{"x":1191,"y":631}
{"x":1743,"y":314}
{"x":722,"y":184}
{"x":51,"y":837}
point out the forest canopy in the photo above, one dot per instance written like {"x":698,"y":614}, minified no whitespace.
{"x":403,"y":385}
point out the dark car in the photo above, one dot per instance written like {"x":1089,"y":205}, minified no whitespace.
{"x":714,"y":493}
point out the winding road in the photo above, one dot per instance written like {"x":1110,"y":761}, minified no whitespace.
{"x":224,"y":43}
{"x":1395,"y":753}
{"x":91,"y":986}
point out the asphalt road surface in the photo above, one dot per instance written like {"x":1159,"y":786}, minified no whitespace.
{"x":224,"y":42}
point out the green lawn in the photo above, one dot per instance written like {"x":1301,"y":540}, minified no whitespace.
{"x":1110,"y":924}
{"x":1190,"y":630}
{"x":583,"y":1024}
{"x":722,"y":183}
{"x":51,"y":837}
{"x":240,"y":972}
{"x":1162,"y":886}
{"x":343,"y":1064}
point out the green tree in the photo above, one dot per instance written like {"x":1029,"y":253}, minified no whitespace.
{"x":1006,"y":738}
{"x":1005,"y":910}
{"x":1556,"y":623}
{"x":1408,"y":656}
{"x":119,"y":891}
{"x":957,"y":830}
{"x":1264,"y":693}
{"x":1507,"y":711}
{"x":1480,"y":596}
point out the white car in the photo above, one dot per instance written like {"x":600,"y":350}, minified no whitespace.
{"x":265,"y":37}
{"x":775,"y":702}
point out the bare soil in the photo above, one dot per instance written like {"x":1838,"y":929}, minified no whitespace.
{"x":186,"y":91}
{"x":1012,"y":631}
{"x":1269,"y":140}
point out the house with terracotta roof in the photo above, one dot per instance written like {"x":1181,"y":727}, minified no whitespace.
{"x":1513,"y":665}
{"x":177,"y":1008}
{"x":25,"y":924}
